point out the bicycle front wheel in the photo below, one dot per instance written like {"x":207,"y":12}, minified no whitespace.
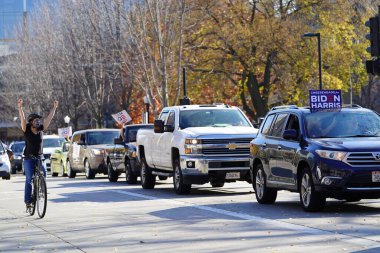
{"x":34,"y":197}
{"x":41,"y":196}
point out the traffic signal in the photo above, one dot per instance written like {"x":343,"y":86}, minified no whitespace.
{"x":374,"y":36}
{"x":373,"y":66}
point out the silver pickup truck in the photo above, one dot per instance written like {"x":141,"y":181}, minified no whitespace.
{"x":196,"y":144}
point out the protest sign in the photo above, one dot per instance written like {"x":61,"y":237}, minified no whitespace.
{"x":122,"y":117}
{"x":325,"y":100}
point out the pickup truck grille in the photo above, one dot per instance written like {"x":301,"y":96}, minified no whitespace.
{"x":238,"y":146}
{"x":363,"y":160}
{"x":225,"y":151}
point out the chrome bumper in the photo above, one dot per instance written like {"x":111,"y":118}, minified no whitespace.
{"x":202,"y":164}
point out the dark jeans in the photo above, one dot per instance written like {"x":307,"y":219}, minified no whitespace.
{"x":29,"y":171}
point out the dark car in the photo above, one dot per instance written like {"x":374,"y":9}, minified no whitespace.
{"x":321,"y":154}
{"x":122,"y":156}
{"x":17,"y":148}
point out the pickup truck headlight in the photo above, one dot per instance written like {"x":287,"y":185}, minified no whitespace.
{"x":193,"y":146}
{"x":193,"y":141}
{"x":329,"y":154}
{"x":98,"y":151}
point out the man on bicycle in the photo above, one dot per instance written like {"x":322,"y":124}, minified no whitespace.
{"x":32,"y":128}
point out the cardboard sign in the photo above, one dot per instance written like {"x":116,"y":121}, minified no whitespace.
{"x":325,"y":100}
{"x":122,"y":117}
{"x":65,"y":132}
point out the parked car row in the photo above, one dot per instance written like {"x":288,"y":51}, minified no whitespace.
{"x":327,"y":154}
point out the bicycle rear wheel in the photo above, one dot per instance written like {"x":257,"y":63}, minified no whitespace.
{"x":41,"y":196}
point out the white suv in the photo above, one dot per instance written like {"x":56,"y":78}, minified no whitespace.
{"x":50,"y":143}
{"x":5,"y":164}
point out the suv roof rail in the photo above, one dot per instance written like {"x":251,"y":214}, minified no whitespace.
{"x":352,"y":105}
{"x":284,"y":107}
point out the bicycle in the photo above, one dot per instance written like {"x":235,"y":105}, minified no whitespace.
{"x":39,"y":191}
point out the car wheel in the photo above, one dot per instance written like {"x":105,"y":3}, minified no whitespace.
{"x":129,"y":177}
{"x":179,"y":186}
{"x":88,"y":171}
{"x":162,"y":177}
{"x":264,"y":195}
{"x":54,"y":174}
{"x":7,"y":177}
{"x":216,"y":182}
{"x":70,"y":171}
{"x":112,"y":175}
{"x":148,"y":180}
{"x":63,"y":173}
{"x":311,"y":200}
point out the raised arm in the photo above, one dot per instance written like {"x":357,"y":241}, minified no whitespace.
{"x":48,"y":119}
{"x":21,"y":115}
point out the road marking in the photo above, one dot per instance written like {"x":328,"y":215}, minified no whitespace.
{"x":273,"y":223}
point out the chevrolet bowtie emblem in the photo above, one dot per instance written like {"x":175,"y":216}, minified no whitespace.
{"x":231,"y":146}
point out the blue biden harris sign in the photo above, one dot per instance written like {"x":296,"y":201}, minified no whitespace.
{"x":325,"y":100}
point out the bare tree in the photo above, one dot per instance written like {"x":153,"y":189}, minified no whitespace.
{"x":155,"y":30}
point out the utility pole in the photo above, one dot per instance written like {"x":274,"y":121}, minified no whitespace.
{"x":318,"y":35}
{"x":25,"y":20}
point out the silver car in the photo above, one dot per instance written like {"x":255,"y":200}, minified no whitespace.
{"x":87,"y":151}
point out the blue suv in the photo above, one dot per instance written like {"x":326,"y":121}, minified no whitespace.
{"x":321,"y":155}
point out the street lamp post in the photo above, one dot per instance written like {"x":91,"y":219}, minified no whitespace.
{"x":67,"y":120}
{"x":147,"y":104}
{"x":318,"y":35}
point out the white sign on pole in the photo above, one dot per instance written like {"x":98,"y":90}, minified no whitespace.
{"x":65,"y":132}
{"x":122,"y":117}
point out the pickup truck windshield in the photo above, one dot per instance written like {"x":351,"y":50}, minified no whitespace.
{"x":104,"y":137}
{"x":212,"y":118}
{"x":342,"y":124}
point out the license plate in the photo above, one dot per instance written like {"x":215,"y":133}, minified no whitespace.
{"x":375,"y":176}
{"x":234,"y":175}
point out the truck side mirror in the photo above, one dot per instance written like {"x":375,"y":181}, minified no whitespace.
{"x":158,"y":126}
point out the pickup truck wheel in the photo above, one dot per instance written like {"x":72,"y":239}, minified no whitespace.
{"x":129,"y":177}
{"x":112,"y":175}
{"x":179,"y":186}
{"x":264,"y":195}
{"x":89,"y":173}
{"x":70,"y":172}
{"x":311,"y":200}
{"x":148,"y":180}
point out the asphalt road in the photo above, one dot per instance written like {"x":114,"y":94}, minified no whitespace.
{"x":99,"y":216}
